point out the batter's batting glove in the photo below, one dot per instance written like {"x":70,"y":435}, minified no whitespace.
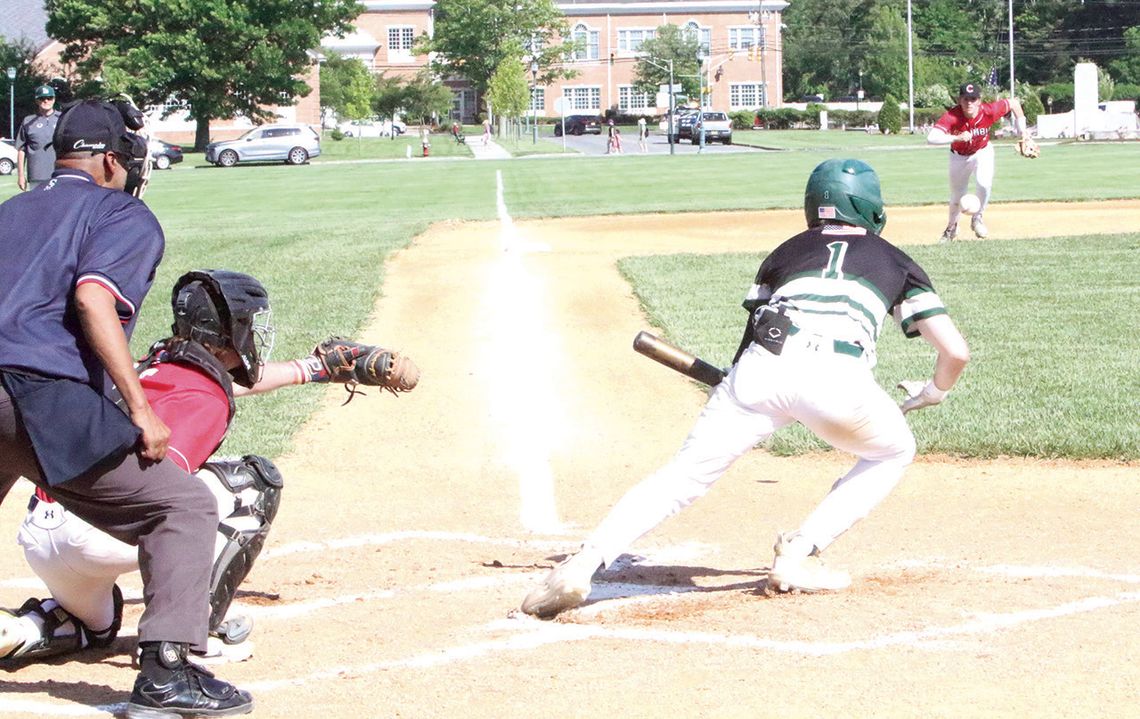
{"x":920,"y":394}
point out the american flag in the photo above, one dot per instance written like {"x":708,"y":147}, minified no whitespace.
{"x":992,"y":80}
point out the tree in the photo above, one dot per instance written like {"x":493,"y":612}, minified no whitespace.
{"x":474,"y":37}
{"x":220,"y":57}
{"x":388,"y":97}
{"x":346,"y":87}
{"x":20,"y":55}
{"x":670,"y":43}
{"x":1127,"y":69}
{"x":426,"y":98}
{"x":508,"y":92}
{"x":890,"y":116}
{"x":885,"y":62}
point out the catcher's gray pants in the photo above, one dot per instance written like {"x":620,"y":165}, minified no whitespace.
{"x":172,"y":520}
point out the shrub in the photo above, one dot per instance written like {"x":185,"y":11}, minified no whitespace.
{"x":1031,"y":105}
{"x":890,"y":116}
{"x":1126,"y":92}
{"x":933,"y":96}
{"x":742,"y":119}
{"x":1061,"y":94}
{"x":336,"y":134}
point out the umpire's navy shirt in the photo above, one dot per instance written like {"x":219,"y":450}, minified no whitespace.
{"x":68,"y":232}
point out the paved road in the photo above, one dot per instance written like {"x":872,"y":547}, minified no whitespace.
{"x":657,"y":144}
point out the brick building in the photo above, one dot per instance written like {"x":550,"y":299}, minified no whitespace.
{"x":742,"y":39}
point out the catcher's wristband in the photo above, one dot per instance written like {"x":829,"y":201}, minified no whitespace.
{"x":310,"y":369}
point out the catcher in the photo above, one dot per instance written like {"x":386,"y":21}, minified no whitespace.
{"x":966,"y":128}
{"x":220,"y":348}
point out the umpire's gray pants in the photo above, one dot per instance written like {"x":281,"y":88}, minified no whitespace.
{"x":155,"y":506}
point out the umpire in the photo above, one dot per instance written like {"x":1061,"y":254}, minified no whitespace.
{"x":80,"y":254}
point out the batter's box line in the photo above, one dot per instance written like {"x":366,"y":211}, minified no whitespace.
{"x":372,"y":540}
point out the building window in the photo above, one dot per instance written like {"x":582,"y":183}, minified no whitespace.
{"x":400,"y":40}
{"x":538,"y":99}
{"x":630,"y":99}
{"x":742,"y":38}
{"x":585,"y":98}
{"x":629,"y":41}
{"x":745,"y":95}
{"x":587,"y":42}
{"x":702,"y":35}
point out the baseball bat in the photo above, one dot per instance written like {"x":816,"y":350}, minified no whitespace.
{"x":677,"y":359}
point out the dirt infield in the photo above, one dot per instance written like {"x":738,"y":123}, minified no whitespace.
{"x":980,"y":588}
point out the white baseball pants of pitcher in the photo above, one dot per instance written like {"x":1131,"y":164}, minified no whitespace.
{"x":981,"y":166}
{"x":833,"y":395}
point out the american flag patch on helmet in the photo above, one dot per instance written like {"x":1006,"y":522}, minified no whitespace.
{"x":826,"y":212}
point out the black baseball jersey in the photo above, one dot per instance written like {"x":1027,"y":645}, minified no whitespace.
{"x":839,"y":282}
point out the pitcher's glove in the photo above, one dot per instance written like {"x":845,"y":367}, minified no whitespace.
{"x":1026,"y":147}
{"x":352,"y":363}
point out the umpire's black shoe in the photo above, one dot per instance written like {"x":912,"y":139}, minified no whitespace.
{"x":170,"y":686}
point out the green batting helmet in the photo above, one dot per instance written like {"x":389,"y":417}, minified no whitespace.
{"x":845,"y":191}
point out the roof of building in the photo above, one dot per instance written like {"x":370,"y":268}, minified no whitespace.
{"x":24,"y":21}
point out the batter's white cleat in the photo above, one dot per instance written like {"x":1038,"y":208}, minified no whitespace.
{"x":793,"y":571}
{"x":979,"y":227}
{"x":949,"y":234}
{"x":565,"y":587}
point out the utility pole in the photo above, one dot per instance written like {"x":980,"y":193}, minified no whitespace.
{"x":672,"y":98}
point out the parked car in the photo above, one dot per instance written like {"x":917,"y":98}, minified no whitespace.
{"x":680,"y":114}
{"x":164,"y":154}
{"x":717,"y":126}
{"x":372,"y":128}
{"x":579,"y":125}
{"x":7,"y":157}
{"x":291,"y":143}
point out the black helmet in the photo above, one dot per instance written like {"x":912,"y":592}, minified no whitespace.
{"x":227,"y":310}
{"x":846,"y":191}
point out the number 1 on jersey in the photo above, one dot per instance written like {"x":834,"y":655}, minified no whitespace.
{"x":834,"y":270}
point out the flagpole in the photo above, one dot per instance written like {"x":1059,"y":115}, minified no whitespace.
{"x":910,"y":67}
{"x":1011,"y":92}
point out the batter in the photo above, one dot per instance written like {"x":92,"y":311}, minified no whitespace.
{"x":816,"y":309}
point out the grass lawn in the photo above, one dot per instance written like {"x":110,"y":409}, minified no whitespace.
{"x":318,"y":236}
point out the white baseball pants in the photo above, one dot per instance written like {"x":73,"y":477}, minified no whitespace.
{"x":833,"y":395}
{"x":80,"y":564}
{"x":981,"y":166}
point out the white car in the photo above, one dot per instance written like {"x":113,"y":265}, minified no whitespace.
{"x":7,"y":157}
{"x":372,"y":128}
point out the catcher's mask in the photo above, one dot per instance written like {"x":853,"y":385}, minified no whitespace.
{"x":100,"y":127}
{"x":226,"y":310}
{"x":845,"y":191}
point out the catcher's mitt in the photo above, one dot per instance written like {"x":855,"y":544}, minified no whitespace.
{"x":352,"y":363}
{"x":1026,"y":147}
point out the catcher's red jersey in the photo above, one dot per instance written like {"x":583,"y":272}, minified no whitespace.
{"x":193,"y":406}
{"x":954,"y":122}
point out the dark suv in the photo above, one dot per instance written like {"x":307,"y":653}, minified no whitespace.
{"x":579,"y":125}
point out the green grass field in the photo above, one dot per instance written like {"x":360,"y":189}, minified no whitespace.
{"x":1062,"y":383}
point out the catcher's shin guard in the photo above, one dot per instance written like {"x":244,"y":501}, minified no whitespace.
{"x":255,"y":483}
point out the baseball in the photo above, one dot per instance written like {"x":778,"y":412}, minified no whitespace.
{"x":970,"y":204}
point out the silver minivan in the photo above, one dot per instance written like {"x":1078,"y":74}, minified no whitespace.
{"x":292,"y":143}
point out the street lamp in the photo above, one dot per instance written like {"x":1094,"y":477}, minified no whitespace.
{"x":859,"y":92}
{"x":533,"y":87}
{"x":700,"y":118}
{"x":12,"y":102}
{"x":671,"y":98}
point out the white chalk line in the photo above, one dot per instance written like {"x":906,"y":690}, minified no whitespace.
{"x":528,"y":634}
{"x":525,"y":408}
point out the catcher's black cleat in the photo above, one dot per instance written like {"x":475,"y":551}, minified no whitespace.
{"x":170,"y":686}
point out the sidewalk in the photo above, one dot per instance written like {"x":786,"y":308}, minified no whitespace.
{"x":491,"y":151}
